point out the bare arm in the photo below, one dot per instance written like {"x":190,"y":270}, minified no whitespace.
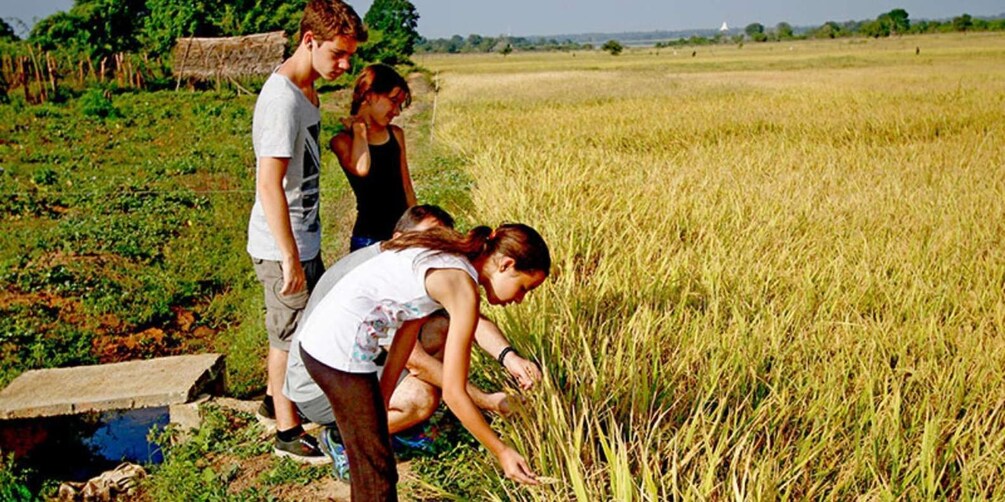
{"x":458,"y":294}
{"x":401,"y":347}
{"x":430,"y":370}
{"x":353,"y":151}
{"x":406,"y":177}
{"x":491,"y":339}
{"x":269,"y":184}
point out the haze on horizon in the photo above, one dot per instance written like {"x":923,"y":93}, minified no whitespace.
{"x":444,"y":18}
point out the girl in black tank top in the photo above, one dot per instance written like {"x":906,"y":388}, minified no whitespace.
{"x":371,"y":152}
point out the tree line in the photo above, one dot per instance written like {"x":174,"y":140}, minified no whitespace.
{"x":894,"y":22}
{"x":503,"y":44}
{"x":128,"y":43}
{"x":101,"y":28}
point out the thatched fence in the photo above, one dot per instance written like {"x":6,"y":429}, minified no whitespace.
{"x":227,"y":58}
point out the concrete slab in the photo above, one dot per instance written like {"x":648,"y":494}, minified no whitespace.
{"x":133,"y":384}
{"x":187,"y":416}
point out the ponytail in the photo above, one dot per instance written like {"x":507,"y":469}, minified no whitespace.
{"x":515,"y":240}
{"x":446,"y":240}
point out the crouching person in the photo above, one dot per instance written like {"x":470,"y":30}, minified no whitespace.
{"x":418,"y":393}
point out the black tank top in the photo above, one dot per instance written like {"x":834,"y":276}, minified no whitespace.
{"x":380,"y":195}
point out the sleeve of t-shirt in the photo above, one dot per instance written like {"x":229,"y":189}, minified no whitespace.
{"x":432,"y":260}
{"x":277,"y":126}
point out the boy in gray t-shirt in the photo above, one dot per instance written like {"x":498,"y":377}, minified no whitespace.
{"x":284,"y":231}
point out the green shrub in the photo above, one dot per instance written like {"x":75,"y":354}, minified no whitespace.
{"x":613,"y":46}
{"x":97,"y":102}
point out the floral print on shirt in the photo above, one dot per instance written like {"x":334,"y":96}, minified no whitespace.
{"x":385,"y":317}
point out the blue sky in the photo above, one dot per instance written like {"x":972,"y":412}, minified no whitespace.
{"x":443,"y":18}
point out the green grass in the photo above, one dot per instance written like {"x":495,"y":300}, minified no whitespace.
{"x":120,"y":209}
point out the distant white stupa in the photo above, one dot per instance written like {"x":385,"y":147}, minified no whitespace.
{"x":724,"y":28}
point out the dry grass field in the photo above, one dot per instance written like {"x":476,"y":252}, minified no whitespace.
{"x":780,"y":269}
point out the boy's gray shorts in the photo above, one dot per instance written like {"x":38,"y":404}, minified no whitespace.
{"x":319,"y":410}
{"x":282,"y":312}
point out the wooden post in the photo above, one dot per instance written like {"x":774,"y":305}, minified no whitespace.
{"x":8,"y":76}
{"x":117,"y":57}
{"x":127,"y":68}
{"x":52,"y":71}
{"x":188,"y":46}
{"x":38,"y":73}
{"x":140,"y":81}
{"x":23,"y":64}
{"x":137,"y":75}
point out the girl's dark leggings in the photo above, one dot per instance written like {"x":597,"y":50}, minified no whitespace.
{"x":362,"y":420}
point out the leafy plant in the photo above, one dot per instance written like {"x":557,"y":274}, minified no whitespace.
{"x":97,"y":102}
{"x":286,"y":471}
{"x":13,"y":481}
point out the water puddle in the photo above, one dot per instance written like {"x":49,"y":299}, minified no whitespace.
{"x":79,"y":447}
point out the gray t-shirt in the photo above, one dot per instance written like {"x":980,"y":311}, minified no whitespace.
{"x":299,"y":386}
{"x":287,"y":125}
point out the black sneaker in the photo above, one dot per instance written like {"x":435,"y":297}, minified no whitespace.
{"x":267,"y":409}
{"x":303,"y":449}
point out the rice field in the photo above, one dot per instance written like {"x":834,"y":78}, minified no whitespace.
{"x":780,"y":269}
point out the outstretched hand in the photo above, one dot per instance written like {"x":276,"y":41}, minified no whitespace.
{"x":516,"y":468}
{"x":524,"y":371}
